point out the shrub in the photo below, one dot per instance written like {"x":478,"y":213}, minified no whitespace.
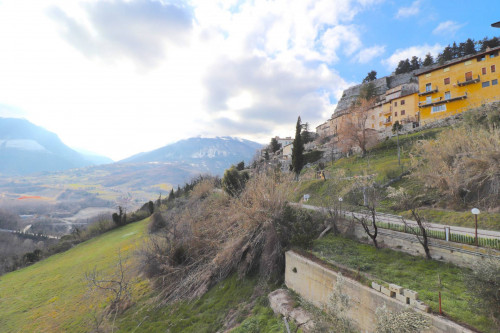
{"x":312,"y":156}
{"x":462,"y":163}
{"x":156,"y":222}
{"x":234,"y":181}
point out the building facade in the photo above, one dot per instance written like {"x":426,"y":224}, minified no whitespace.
{"x":458,"y":85}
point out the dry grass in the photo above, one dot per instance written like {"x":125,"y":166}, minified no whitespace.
{"x":208,"y":238}
{"x":464,"y":164}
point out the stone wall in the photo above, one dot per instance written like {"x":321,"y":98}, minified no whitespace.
{"x":315,"y":282}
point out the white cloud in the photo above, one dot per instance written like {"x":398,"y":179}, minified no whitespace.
{"x":447,"y":28}
{"x":419,"y":51}
{"x":233,"y":67}
{"x":412,"y":10}
{"x":368,"y":54}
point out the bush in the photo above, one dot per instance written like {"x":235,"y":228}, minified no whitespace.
{"x":312,"y":156}
{"x":234,"y":181}
{"x":156,"y":222}
{"x":297,"y":227}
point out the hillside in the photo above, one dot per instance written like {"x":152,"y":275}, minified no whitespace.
{"x":52,"y":295}
{"x":209,"y":155}
{"x":26,"y":148}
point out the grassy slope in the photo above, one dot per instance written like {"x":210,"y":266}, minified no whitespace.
{"x":382,"y":161}
{"x":411,"y":272}
{"x":50,"y":296}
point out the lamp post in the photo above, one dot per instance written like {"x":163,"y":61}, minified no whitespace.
{"x":340,"y":203}
{"x":476,"y":212}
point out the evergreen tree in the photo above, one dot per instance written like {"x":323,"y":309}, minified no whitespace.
{"x":404,"y":66}
{"x":415,"y":63}
{"x":469,"y":47}
{"x":275,"y":146}
{"x":306,"y":136}
{"x":455,"y":51}
{"x":233,"y":181}
{"x":371,"y":76}
{"x":266,"y":155}
{"x":240,"y":166}
{"x":171,"y":196}
{"x":446,"y":55}
{"x":368,"y":91}
{"x":298,"y":150}
{"x":429,"y":60}
{"x":491,"y":43}
{"x":151,"y":207}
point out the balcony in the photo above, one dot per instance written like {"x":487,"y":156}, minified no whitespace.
{"x":428,"y":92}
{"x":466,"y":82}
{"x":440,"y":100}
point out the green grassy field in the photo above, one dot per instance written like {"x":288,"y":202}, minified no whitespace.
{"x":411,"y":272}
{"x":51,"y":295}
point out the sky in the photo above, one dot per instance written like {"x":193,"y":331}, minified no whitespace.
{"x":121,"y":77}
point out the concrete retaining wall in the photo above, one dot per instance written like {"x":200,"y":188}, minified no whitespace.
{"x":315,"y":283}
{"x":456,"y":253}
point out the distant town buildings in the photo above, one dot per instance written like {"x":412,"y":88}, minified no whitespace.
{"x":424,"y":95}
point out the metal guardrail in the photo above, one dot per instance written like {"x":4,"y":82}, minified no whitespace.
{"x":446,"y":233}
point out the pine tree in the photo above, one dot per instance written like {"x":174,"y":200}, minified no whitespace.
{"x":446,"y":55}
{"x":298,"y":150}
{"x":469,"y":47}
{"x":415,"y":63}
{"x":370,"y":76}
{"x":171,"y":196}
{"x":275,"y":146}
{"x":429,"y":60}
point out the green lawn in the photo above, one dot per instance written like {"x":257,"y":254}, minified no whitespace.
{"x":486,"y":220}
{"x":51,"y":295}
{"x":411,"y":272}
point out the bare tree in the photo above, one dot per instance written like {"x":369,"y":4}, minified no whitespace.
{"x":367,"y":222}
{"x":116,"y":287}
{"x":408,"y":202}
{"x":353,"y":131}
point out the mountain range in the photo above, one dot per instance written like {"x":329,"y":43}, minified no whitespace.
{"x":206,"y":155}
{"x":26,"y":148}
{"x":29,"y":149}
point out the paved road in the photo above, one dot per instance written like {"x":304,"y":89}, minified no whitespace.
{"x":396,"y":219}
{"x":28,"y":233}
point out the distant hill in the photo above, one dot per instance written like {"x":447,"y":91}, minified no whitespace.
{"x":26,"y":148}
{"x":206,"y":155}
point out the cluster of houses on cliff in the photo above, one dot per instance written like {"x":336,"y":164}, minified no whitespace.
{"x":424,"y":95}
{"x":413,"y":99}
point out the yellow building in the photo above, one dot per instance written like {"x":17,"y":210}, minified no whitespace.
{"x":458,"y":85}
{"x":400,"y":104}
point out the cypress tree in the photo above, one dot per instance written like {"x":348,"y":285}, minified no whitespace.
{"x":297,"y":150}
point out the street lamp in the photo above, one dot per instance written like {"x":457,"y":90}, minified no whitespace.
{"x":340,"y":203}
{"x":476,"y":212}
